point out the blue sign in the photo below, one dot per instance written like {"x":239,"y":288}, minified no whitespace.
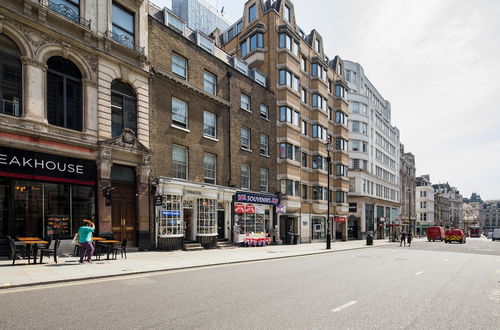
{"x":170,"y":213}
{"x":256,"y":198}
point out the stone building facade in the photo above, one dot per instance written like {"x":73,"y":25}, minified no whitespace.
{"x":489,"y":215}
{"x":448,"y":206}
{"x":213,"y":138}
{"x":408,"y":196}
{"x":74,"y":100}
{"x":424,"y":204}
{"x":311,"y":111}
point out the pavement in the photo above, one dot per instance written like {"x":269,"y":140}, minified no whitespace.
{"x":68,"y":268}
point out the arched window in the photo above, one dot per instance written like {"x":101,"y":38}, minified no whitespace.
{"x":64,"y":94}
{"x":10,"y":77}
{"x":123,"y":108}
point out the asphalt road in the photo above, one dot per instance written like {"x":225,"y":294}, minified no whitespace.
{"x":427,"y":286}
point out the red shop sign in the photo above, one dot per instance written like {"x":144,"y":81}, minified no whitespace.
{"x":239,"y":208}
{"x":250,"y":209}
{"x":340,"y":219}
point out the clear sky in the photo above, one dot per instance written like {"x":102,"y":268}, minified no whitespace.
{"x":437,"y":62}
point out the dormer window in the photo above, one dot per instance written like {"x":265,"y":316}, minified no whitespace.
{"x":286,"y":13}
{"x":252,"y":13}
{"x":317,"y":45}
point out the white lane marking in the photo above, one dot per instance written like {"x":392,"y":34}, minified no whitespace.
{"x":446,"y":260}
{"x":497,"y":271}
{"x":338,"y":309}
{"x":420,"y":272}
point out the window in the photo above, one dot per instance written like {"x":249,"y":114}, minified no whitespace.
{"x":179,"y":113}
{"x":123,"y":26}
{"x":304,"y":160}
{"x":287,"y":42}
{"x":209,"y":124}
{"x":359,"y":127}
{"x":170,"y":220}
{"x":68,"y":8}
{"x":303,"y":96}
{"x":179,"y":162}
{"x":318,"y":193}
{"x":264,"y":178}
{"x":206,"y":222}
{"x":209,"y":165}
{"x":340,"y":197}
{"x":252,"y":43}
{"x":348,"y":75}
{"x":317,"y":162}
{"x":11,"y":81}
{"x":318,"y":71}
{"x":303,"y":129}
{"x":245,"y":102}
{"x":239,"y":26}
{"x":319,"y":102}
{"x":264,"y":111}
{"x":287,"y":151}
{"x":288,"y":186}
{"x":317,"y":45}
{"x":209,"y":83}
{"x":304,"y":191}
{"x":179,"y":65}
{"x":297,"y":188}
{"x":303,"y":64}
{"x":340,"y":118}
{"x":341,"y":144}
{"x":252,"y":13}
{"x":340,"y":170}
{"x":319,"y":132}
{"x":123,"y":108}
{"x":264,"y":145}
{"x":288,"y":79}
{"x":245,"y":138}
{"x":64,"y":93}
{"x":175,"y":23}
{"x":340,"y":91}
{"x":296,"y":153}
{"x":245,"y":176}
{"x":289,"y":115}
{"x":287,"y":13}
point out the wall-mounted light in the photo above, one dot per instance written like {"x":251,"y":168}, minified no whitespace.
{"x":106,"y":192}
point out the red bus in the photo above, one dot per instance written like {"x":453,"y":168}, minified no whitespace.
{"x":474,"y":231}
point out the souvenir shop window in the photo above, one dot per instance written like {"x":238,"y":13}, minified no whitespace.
{"x":207,"y":220}
{"x":170,"y":220}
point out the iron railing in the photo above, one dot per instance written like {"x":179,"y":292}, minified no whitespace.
{"x":125,"y":41}
{"x":65,"y":11}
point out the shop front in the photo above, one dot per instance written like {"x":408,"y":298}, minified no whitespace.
{"x":187,"y":211}
{"x":318,"y":228}
{"x":340,"y":222}
{"x":44,"y":195}
{"x":253,"y":216}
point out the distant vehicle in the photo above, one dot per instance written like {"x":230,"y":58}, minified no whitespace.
{"x":496,"y":235}
{"x":435,"y":233}
{"x":455,"y":235}
{"x":489,"y":235}
{"x":474,"y":231}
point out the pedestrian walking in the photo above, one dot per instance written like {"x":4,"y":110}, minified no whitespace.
{"x":409,"y":237}
{"x":85,"y":240}
{"x":403,"y":239}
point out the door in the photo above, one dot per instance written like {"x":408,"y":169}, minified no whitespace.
{"x":221,"y":232}
{"x":4,"y":207}
{"x":188,"y":224}
{"x":124,"y":213}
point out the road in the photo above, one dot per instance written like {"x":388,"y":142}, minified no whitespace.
{"x":428,"y":286}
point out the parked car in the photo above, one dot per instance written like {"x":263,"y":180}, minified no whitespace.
{"x":489,"y":235}
{"x":454,"y":235}
{"x":496,"y":235}
{"x":435,"y":233}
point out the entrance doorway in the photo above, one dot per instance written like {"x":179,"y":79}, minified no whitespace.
{"x":4,"y":207}
{"x":124,"y":204}
{"x":221,"y":225}
{"x":188,"y":224}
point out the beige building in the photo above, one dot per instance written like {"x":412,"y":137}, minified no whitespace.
{"x":74,"y":118}
{"x":311,"y":110}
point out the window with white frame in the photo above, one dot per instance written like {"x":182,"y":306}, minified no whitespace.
{"x":304,"y":192}
{"x":289,"y":79}
{"x":303,"y":128}
{"x":317,"y":45}
{"x":287,"y":42}
{"x":264,"y":145}
{"x":209,"y":124}
{"x":179,"y":65}
{"x":170,"y":216}
{"x":319,"y":132}
{"x":206,"y":222}
{"x":289,"y":151}
{"x":264,"y":111}
{"x":317,"y":162}
{"x":245,"y":137}
{"x":209,"y":83}
{"x":319,"y":101}
{"x":252,"y":43}
{"x":340,"y":91}
{"x":264,"y":179}
{"x":318,"y":71}
{"x":341,"y":144}
{"x":209,"y":165}
{"x":123,"y":22}
{"x":245,"y":176}
{"x":304,"y":160}
{"x":179,"y":162}
{"x":303,"y":96}
{"x":340,"y":118}
{"x":286,"y":13}
{"x":252,"y":13}
{"x":179,"y":113}
{"x":245,"y":102}
{"x":318,"y":193}
{"x":303,"y":63}
{"x":289,"y":115}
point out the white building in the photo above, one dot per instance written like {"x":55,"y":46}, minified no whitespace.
{"x":424,"y":204}
{"x":374,"y":151}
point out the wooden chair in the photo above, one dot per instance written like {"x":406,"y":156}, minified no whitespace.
{"x":49,"y":252}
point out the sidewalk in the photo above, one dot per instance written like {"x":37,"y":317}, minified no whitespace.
{"x":68,"y":268}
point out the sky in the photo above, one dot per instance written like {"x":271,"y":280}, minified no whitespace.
{"x":436,"y":62}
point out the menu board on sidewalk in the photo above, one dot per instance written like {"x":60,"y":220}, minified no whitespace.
{"x":58,"y":226}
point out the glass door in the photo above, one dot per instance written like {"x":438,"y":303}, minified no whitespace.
{"x":4,"y":207}
{"x":28,"y":208}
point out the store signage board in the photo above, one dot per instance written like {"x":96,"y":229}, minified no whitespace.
{"x":281,"y":209}
{"x":353,"y":207}
{"x":158,"y":200}
{"x":171,"y":213}
{"x":32,"y":165}
{"x":256,"y":198}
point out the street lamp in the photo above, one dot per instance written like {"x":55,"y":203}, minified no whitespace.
{"x":328,"y":146}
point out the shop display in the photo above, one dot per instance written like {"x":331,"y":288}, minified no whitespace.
{"x":58,"y":226}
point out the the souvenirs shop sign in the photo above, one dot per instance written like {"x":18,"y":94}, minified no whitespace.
{"x":40,"y":166}
{"x":256,"y":199}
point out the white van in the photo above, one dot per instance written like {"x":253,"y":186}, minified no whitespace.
{"x":496,"y":235}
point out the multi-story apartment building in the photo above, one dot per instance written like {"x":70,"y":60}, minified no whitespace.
{"x":408,"y":188}
{"x":489,"y":215}
{"x":441,"y":209}
{"x":200,"y":15}
{"x":424,"y":204}
{"x":74,"y":118}
{"x":450,"y":206}
{"x":213,"y":136}
{"x":374,"y":191}
{"x":312,"y":111}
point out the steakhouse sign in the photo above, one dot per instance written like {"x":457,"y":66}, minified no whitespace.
{"x":40,"y":166}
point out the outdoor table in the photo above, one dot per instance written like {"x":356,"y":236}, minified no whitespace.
{"x":28,"y":238}
{"x":109,"y":244}
{"x":35,"y":248}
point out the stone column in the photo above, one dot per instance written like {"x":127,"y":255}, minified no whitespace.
{"x":143,"y":204}
{"x":90,"y":106}
{"x":104,"y":165}
{"x":34,"y":90}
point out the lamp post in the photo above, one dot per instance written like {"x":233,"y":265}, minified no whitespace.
{"x":328,"y":145}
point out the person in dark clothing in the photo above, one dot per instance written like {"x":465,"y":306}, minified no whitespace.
{"x":403,"y":239}
{"x":409,"y":237}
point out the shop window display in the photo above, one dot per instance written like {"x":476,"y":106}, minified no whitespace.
{"x":170,"y":216}
{"x":206,"y":217}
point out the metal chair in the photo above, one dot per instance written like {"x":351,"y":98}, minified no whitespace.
{"x":16,"y":250}
{"x":48,"y":252}
{"x":122,"y":249}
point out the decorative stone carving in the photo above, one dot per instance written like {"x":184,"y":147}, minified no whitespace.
{"x":2,"y":18}
{"x":37,"y":39}
{"x":104,"y":162}
{"x":29,"y":61}
{"x":65,"y":50}
{"x":127,"y":141}
{"x":124,"y":73}
{"x":91,"y":60}
{"x":90,"y":83}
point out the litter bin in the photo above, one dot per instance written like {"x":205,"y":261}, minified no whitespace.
{"x":295,"y":239}
{"x":289,"y":238}
{"x":369,"y":239}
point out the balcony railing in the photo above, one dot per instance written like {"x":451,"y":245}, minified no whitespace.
{"x":65,"y":11}
{"x":12,"y":108}
{"x":125,"y":41}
